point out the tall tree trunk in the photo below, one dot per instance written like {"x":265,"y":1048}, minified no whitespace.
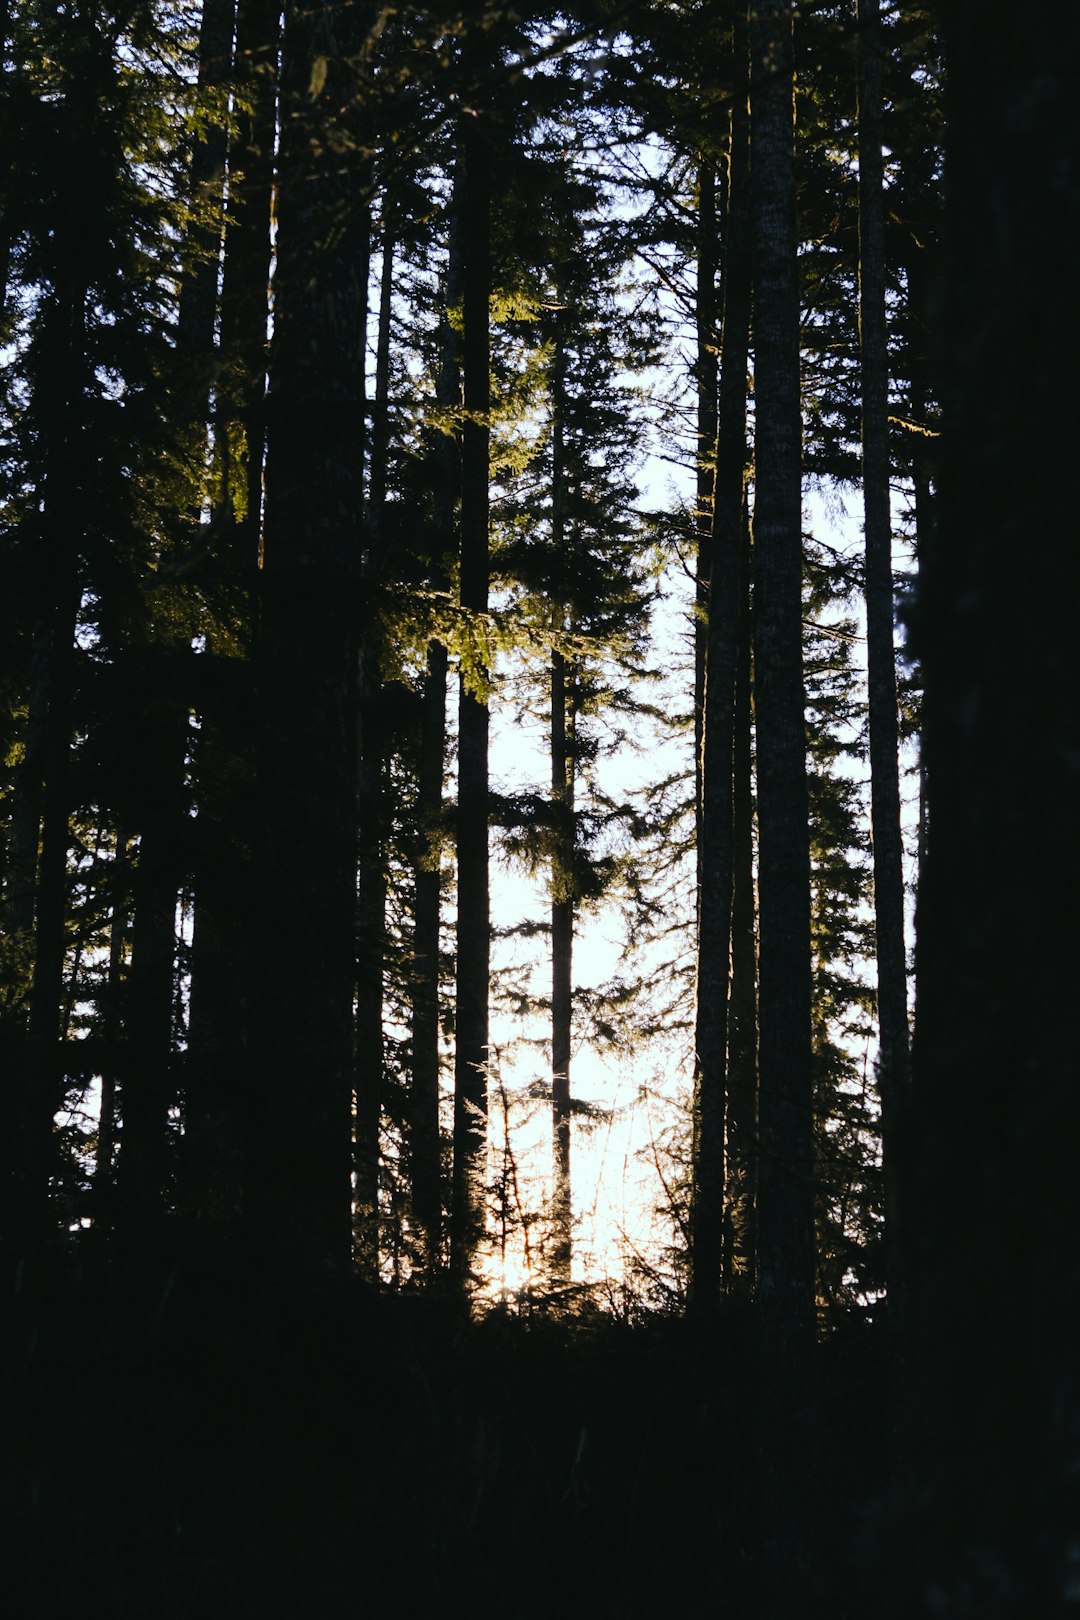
{"x":112,"y":1066}
{"x":206,"y":183}
{"x":786,"y":1275}
{"x":425,"y":1139}
{"x":301,"y":1039}
{"x":740,"y":1244}
{"x":371,"y":951}
{"x":707,"y":378}
{"x":563,"y":896}
{"x":562,"y":960}
{"x":245,"y":283}
{"x":371,"y":920}
{"x":38,"y":888}
{"x":225,"y":763}
{"x":893,"y":1064}
{"x":785,"y":1099}
{"x":148,"y":1083}
{"x":992,"y":1211}
{"x":473,"y":922}
{"x":716,"y":856}
{"x":425,"y":1143}
{"x":148,"y":1086}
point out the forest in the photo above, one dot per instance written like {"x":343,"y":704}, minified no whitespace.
{"x":540,"y":809}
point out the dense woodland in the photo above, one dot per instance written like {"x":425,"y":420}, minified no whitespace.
{"x":472,"y":482}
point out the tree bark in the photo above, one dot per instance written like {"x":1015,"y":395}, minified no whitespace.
{"x":707,"y":374}
{"x":148,"y":1086}
{"x":786,"y":1271}
{"x":740,"y":1242}
{"x":992,"y":1210}
{"x":785,"y":1099}
{"x":716,"y":858}
{"x":893,"y":1056}
{"x":562,"y":960}
{"x":38,"y":891}
{"x":112,"y":1066}
{"x":300,"y":1085}
{"x":473,"y":923}
{"x":225,"y":764}
{"x":426,"y":1152}
{"x":245,"y":284}
{"x":372,"y":873}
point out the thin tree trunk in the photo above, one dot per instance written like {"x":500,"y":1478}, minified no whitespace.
{"x":380,"y":415}
{"x":372,"y":870}
{"x":44,"y":780}
{"x":245,"y":285}
{"x":893,"y":1063}
{"x":112,"y":1067}
{"x":371,"y":940}
{"x":707,"y":377}
{"x":562,"y":959}
{"x":425,"y":1157}
{"x":426,"y":1136}
{"x":740,"y":1248}
{"x":206,"y":185}
{"x":563,"y":898}
{"x":473,"y":924}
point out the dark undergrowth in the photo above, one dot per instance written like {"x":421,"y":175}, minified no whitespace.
{"x":197,"y":1444}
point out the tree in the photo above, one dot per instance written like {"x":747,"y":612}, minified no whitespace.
{"x":473,"y":921}
{"x":785,"y":1098}
{"x":300,"y":1080}
{"x":91,"y":227}
{"x":726,"y":624}
{"x":991,"y":1213}
{"x":884,"y":729}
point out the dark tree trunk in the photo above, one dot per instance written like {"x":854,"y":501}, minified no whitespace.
{"x":301,"y":1038}
{"x":114,"y":1027}
{"x":740,"y":1247}
{"x":707,"y":378}
{"x":992,"y":1211}
{"x":716,"y":851}
{"x":562,"y":959}
{"x":206,"y":182}
{"x":380,"y":413}
{"x":371,"y":920}
{"x":225,"y":764}
{"x":786,"y":1265}
{"x":38,"y":890}
{"x":426,"y":1137}
{"x":785,"y":1098}
{"x":371,"y":951}
{"x":148,"y":1087}
{"x":426,"y":1156}
{"x":42,"y":1082}
{"x":473,"y":924}
{"x":245,"y":284}
{"x":893,"y":1064}
{"x":563,"y":897}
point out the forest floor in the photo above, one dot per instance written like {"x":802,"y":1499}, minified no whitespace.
{"x":196,"y":1445}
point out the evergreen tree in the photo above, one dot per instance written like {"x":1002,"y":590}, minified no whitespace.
{"x":990,"y":1192}
{"x":300,"y":1080}
{"x":884,"y":741}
